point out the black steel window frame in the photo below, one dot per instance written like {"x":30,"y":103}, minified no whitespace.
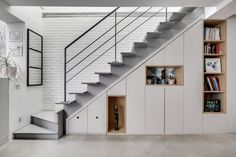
{"x":28,"y":58}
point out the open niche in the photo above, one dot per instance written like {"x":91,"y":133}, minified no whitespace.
{"x":164,"y":75}
{"x":116,"y":115}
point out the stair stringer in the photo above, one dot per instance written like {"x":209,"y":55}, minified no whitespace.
{"x":198,"y":14}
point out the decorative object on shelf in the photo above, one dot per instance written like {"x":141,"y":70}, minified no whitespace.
{"x":2,"y":39}
{"x":116,"y":114}
{"x":15,"y":36}
{"x":16,"y":50}
{"x":213,"y":65}
{"x":212,"y":105}
{"x":8,"y":67}
{"x":170,"y":75}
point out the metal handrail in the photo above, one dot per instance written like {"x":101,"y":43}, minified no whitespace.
{"x":102,"y":35}
{"x":107,"y":40}
{"x":66,"y":62}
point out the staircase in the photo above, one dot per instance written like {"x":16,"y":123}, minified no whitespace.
{"x":164,"y":32}
{"x":49,"y":125}
{"x":44,"y":125}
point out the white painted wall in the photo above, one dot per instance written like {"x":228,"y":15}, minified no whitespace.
{"x":23,"y":101}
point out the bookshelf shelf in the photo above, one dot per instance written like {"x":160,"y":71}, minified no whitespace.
{"x":214,"y":55}
{"x":167,"y":75}
{"x":213,"y":41}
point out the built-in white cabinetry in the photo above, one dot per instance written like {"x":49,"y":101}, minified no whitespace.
{"x":174,"y":110}
{"x":174,"y":52}
{"x":78,"y":124}
{"x":192,"y":79}
{"x":97,"y":116}
{"x":158,"y":59}
{"x":155,"y":100}
{"x":118,"y":90}
{"x":214,"y":123}
{"x":136,"y":101}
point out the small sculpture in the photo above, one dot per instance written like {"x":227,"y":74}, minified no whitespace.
{"x":116,"y":114}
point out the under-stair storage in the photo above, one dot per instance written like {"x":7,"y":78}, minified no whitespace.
{"x":136,"y":101}
{"x":79,"y":123}
{"x":116,"y":115}
{"x":97,"y":116}
{"x":174,"y":107}
{"x":155,"y":109}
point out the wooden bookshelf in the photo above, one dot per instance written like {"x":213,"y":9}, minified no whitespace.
{"x":221,"y":76}
{"x":120,"y":102}
{"x":178,"y":75}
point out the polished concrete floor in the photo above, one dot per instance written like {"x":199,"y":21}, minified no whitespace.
{"x":125,"y":146}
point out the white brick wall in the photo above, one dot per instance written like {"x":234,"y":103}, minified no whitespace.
{"x":59,"y":32}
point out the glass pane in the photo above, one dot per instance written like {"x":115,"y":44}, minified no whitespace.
{"x":34,"y":41}
{"x":34,"y":76}
{"x":34,"y":59}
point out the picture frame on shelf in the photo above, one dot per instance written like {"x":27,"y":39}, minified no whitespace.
{"x":213,"y":65}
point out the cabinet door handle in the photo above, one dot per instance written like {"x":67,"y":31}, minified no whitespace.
{"x":77,"y":117}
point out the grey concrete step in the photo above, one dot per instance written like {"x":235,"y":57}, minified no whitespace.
{"x":165,"y":25}
{"x":153,"y":35}
{"x":128,"y":54}
{"x":79,"y":93}
{"x":140,"y":44}
{"x":32,"y":131}
{"x":177,"y":16}
{"x":103,"y":73}
{"x":65,"y":102}
{"x":91,"y":83}
{"x":115,"y":63}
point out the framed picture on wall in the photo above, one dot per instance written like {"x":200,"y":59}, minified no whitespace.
{"x":16,"y":50}
{"x":213,"y":65}
{"x":15,"y":36}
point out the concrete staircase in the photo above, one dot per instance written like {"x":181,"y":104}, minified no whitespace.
{"x":163,"y":33}
{"x":44,"y":125}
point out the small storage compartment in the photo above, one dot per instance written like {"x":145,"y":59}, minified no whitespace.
{"x":116,"y":115}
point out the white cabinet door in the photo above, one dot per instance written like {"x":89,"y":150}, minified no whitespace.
{"x":174,"y":110}
{"x":174,"y":52}
{"x":193,"y":71}
{"x":118,"y":90}
{"x":155,"y":110}
{"x":97,"y":116}
{"x":78,"y":124}
{"x":158,"y":59}
{"x":214,"y":123}
{"x":136,"y":101}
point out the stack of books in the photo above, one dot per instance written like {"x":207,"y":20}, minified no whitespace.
{"x":212,"y":84}
{"x":211,"y":34}
{"x":212,"y":48}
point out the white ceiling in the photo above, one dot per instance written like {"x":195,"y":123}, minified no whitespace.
{"x":103,"y":3}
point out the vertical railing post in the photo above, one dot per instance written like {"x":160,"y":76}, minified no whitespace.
{"x":115,"y":36}
{"x":65,"y":76}
{"x":166,"y":13}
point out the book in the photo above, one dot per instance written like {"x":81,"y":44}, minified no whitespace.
{"x":212,"y":33}
{"x":212,"y":48}
{"x":212,"y":105}
{"x":211,"y":84}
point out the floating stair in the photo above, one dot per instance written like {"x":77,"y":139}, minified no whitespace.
{"x":164,"y":32}
{"x":44,"y":125}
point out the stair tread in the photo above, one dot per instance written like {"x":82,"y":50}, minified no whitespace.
{"x":128,"y":54}
{"x":165,"y":25}
{"x":116,"y":63}
{"x":103,"y":73}
{"x":65,"y":103}
{"x":90,"y":82}
{"x":153,"y":35}
{"x":50,"y":116}
{"x":176,"y":16}
{"x":34,"y":129}
{"x":78,"y":92}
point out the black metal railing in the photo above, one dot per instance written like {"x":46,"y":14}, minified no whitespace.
{"x":116,"y":32}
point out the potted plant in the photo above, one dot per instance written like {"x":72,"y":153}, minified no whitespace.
{"x":8,"y":67}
